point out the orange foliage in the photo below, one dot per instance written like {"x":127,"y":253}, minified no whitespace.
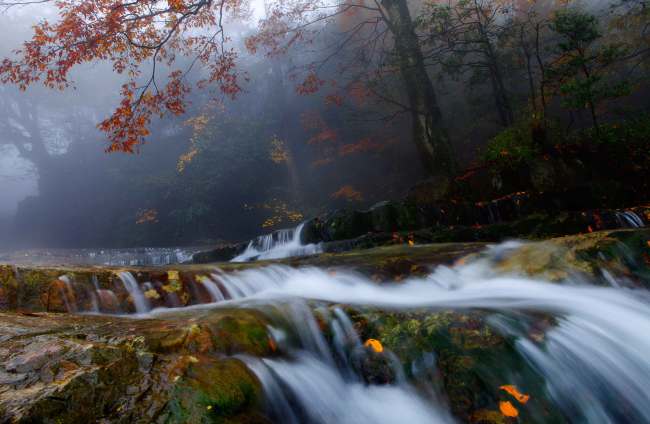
{"x":310,"y":85}
{"x":334,"y":99}
{"x":374,"y":345}
{"x":130,"y":36}
{"x":508,"y":409}
{"x":146,"y":216}
{"x":326,"y":135}
{"x":349,"y":193}
{"x":514,"y":392}
{"x":364,"y":145}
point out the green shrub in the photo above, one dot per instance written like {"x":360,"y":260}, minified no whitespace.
{"x":513,"y":146}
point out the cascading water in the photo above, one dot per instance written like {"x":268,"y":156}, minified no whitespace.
{"x":280,"y":244}
{"x":629,"y":219}
{"x":140,"y":301}
{"x":591,"y":358}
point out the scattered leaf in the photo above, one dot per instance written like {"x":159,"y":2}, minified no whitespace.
{"x":374,"y":345}
{"x":514,"y":392}
{"x":508,"y":409}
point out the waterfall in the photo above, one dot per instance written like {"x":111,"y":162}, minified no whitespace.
{"x":280,"y":244}
{"x":140,"y":301}
{"x":213,"y":289}
{"x":594,"y":360}
{"x":591,"y":359}
{"x":67,"y":294}
{"x":629,"y":219}
{"x":320,"y":384}
{"x":326,"y":397}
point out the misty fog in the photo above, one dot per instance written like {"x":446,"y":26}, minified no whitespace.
{"x":229,"y":169}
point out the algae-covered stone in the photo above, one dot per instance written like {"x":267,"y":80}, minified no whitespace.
{"x":624,"y":253}
{"x":463,"y":355}
{"x":71,"y":369}
{"x":215,"y":391}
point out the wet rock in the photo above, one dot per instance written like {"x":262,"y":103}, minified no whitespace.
{"x":376,"y":368}
{"x":463,"y":356}
{"x":11,"y":378}
{"x":219,"y":254}
{"x":211,"y":391}
{"x":75,"y":380}
{"x":34,"y":358}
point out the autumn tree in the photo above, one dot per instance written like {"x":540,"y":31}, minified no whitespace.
{"x":371,"y":41}
{"x":140,"y":39}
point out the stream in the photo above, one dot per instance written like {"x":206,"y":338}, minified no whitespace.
{"x":579,"y":344}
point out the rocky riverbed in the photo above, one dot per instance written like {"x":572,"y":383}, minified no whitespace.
{"x":71,"y":352}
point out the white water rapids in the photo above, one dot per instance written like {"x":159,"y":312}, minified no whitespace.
{"x":593,"y":358}
{"x":281,"y":244}
{"x":596,"y":355}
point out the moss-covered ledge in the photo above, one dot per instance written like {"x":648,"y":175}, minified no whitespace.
{"x":177,"y":369}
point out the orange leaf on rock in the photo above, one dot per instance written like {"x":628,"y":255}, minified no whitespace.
{"x":508,"y":409}
{"x":512,"y":390}
{"x":374,"y":345}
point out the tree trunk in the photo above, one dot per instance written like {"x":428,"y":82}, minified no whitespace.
{"x":502,"y":102}
{"x":428,"y":132}
{"x":285,"y":116}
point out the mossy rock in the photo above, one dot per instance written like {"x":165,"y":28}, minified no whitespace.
{"x":462,"y":353}
{"x":71,"y":369}
{"x":624,"y":253}
{"x":215,"y":391}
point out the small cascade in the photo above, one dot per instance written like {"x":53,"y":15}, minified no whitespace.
{"x":629,"y":219}
{"x":590,"y":356}
{"x":68,"y":294}
{"x":277,"y":245}
{"x":148,"y":256}
{"x":140,"y":301}
{"x":324,"y":396}
{"x":321,"y":381}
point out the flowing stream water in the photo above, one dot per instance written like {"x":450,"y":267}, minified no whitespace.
{"x":280,"y":244}
{"x":593,"y":358}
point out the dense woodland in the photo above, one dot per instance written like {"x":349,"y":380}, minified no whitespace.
{"x":315,"y":106}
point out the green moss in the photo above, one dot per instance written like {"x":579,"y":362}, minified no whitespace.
{"x":239,"y":333}
{"x":215,"y":392}
{"x":513,"y":146}
{"x":472,"y":359}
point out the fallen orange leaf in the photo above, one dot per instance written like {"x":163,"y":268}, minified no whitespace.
{"x":521,"y":398}
{"x":508,"y":410}
{"x":375,"y":345}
